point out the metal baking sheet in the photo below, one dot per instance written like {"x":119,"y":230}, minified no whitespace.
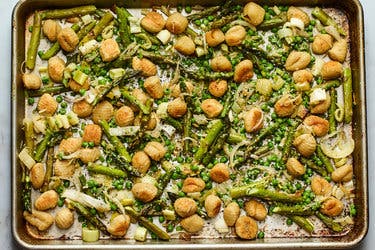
{"x":352,"y":10}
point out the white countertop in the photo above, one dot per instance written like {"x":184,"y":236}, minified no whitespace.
{"x":6,"y":7}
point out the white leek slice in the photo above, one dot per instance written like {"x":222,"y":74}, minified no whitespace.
{"x":339,"y":147}
{"x":124,"y":131}
{"x":221,"y":226}
{"x":88,"y":47}
{"x":90,"y":235}
{"x":140,"y":234}
{"x":164,"y":36}
{"x":26,"y":158}
{"x":317,"y":96}
{"x":86,"y":200}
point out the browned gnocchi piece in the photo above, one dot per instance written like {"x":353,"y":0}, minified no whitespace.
{"x":145,"y":192}
{"x":177,"y":108}
{"x":124,"y":116}
{"x":47,"y":105}
{"x":56,"y":67}
{"x":214,"y":37}
{"x":153,"y":87}
{"x":31,"y":81}
{"x":92,"y":133}
{"x":235,"y":35}
{"x":82,"y":108}
{"x":109,"y":50}
{"x":193,"y":184}
{"x":253,"y":13}
{"x":51,"y":29}
{"x":119,"y":225}
{"x":47,"y":200}
{"x":256,"y":210}
{"x":155,"y":150}
{"x":192,"y":224}
{"x":176,"y":23}
{"x":102,"y":111}
{"x":37,"y":174}
{"x":212,"y":204}
{"x":218,"y":88}
{"x":153,"y":22}
{"x":68,"y":39}
{"x":70,"y":145}
{"x":64,"y":218}
{"x":141,"y":162}
{"x":211,"y":107}
{"x":220,"y":173}
{"x":243,"y":71}
{"x":185,"y":45}
{"x":185,"y":207}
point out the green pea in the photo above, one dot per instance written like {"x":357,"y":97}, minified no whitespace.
{"x":62,"y":111}
{"x":59,"y":98}
{"x":170,"y":228}
{"x":289,"y":222}
{"x":210,"y":18}
{"x":188,"y":9}
{"x":198,"y":22}
{"x":260,"y":235}
{"x":30,"y":100}
{"x":82,"y":92}
{"x":194,"y":168}
{"x":181,"y":194}
{"x":161,"y":219}
{"x":60,"y":202}
{"x":31,"y":28}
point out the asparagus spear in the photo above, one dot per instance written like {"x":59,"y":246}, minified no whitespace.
{"x":42,"y":146}
{"x":266,"y":194}
{"x":29,"y":136}
{"x":113,"y":172}
{"x":348,"y":98}
{"x":327,"y":163}
{"x":203,"y":13}
{"x":186,"y":129}
{"x":235,"y":138}
{"x":331,"y":111}
{"x":325,"y":19}
{"x":146,"y":109}
{"x":49,"y":169}
{"x":65,"y":13}
{"x":147,"y":224}
{"x":227,"y":103}
{"x":124,"y":29}
{"x":313,"y":166}
{"x":217,"y":24}
{"x":214,"y":149}
{"x":175,"y":123}
{"x":205,"y":143}
{"x":288,"y":143}
{"x":273,"y":22}
{"x":299,"y":210}
{"x":50,"y":90}
{"x":117,"y":143}
{"x":103,"y":22}
{"x":303,"y":222}
{"x":238,"y":192}
{"x":329,"y":222}
{"x":26,"y":191}
{"x":327,"y":85}
{"x":107,"y":88}
{"x":82,"y":210}
{"x":34,"y":41}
